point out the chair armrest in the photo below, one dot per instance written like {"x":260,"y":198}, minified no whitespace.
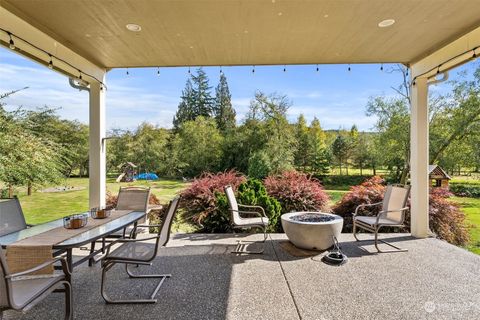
{"x":154,"y":207}
{"x":252,"y":207}
{"x":365,"y":205}
{"x":255,"y":213}
{"x":63,"y":261}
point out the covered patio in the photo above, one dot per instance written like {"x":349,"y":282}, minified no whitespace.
{"x":84,"y":40}
{"x":434,"y":280}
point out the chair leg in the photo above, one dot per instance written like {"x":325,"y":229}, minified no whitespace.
{"x":68,"y":301}
{"x":355,"y":231}
{"x":152,"y":299}
{"x":240,"y":248}
{"x":397,"y":249}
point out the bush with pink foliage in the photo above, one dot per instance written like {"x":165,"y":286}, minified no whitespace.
{"x":199,"y":199}
{"x":297,"y":191}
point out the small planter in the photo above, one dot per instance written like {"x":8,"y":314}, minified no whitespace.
{"x":75,"y":221}
{"x":312,"y":230}
{"x":100,"y":213}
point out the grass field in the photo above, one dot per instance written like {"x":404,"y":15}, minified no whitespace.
{"x":471,"y":207}
{"x":46,"y":206}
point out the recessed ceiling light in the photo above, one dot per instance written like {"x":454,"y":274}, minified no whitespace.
{"x":280,"y":13}
{"x":325,"y":15}
{"x":386,"y":23}
{"x":133,"y":27}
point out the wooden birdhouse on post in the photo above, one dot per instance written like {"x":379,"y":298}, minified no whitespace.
{"x":438,"y":177}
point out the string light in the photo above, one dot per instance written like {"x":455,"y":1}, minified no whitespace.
{"x":284,"y":68}
{"x":221,"y":71}
{"x":80,"y":74}
{"x":253,"y":69}
{"x":50,"y":64}
{"x":11,"y":43}
{"x":406,"y":73}
{"x":128,"y":73}
{"x":188,"y":70}
{"x":438,"y":69}
{"x":158,"y":71}
{"x":317,"y":68}
{"x":381,"y":67}
{"x":474,"y":56}
{"x":349,"y":68}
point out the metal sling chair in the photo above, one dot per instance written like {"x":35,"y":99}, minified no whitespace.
{"x":23,"y":290}
{"x":136,"y":252}
{"x":392,"y":214}
{"x":11,"y":216}
{"x":238,"y":222}
{"x":129,"y":198}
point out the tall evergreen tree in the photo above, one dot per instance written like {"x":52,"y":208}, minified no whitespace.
{"x":318,"y":155}
{"x":302,"y":136}
{"x":223,"y":111}
{"x":185,"y":107}
{"x":203,"y":101}
{"x":196,"y":99}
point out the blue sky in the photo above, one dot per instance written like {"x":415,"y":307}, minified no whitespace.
{"x":334,"y":95}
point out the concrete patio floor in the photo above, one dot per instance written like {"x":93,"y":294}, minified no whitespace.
{"x":434,"y":280}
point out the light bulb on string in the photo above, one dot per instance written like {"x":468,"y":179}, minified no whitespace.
{"x":158,"y":71}
{"x":128,"y":73}
{"x":189,"y":72}
{"x":349,"y":68}
{"x":253,"y":69}
{"x":50,"y":64}
{"x":11,"y":43}
{"x":474,"y":56}
{"x":381,"y":67}
{"x":221,"y":71}
{"x":284,"y":68}
{"x":317,"y":68}
{"x":80,"y":74}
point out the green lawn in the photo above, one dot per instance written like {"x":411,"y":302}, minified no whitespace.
{"x":471,"y":207}
{"x":41,"y":207}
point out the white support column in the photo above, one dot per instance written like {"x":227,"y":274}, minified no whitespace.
{"x":419,"y":159}
{"x":97,"y":167}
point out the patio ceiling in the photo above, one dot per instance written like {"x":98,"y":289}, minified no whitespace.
{"x":242,"y":32}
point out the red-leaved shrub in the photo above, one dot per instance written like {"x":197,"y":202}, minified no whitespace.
{"x":368,"y":192}
{"x":446,"y":219}
{"x":297,"y":191}
{"x":199,"y":199}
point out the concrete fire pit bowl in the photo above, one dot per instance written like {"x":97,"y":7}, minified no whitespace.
{"x":312,"y":230}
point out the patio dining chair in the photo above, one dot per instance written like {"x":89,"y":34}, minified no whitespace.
{"x":260,"y":220}
{"x":129,"y":198}
{"x":23,"y":290}
{"x":392,"y":214}
{"x":137,"y":252}
{"x":11,"y":216}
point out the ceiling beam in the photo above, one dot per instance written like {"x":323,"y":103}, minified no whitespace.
{"x":46,"y":45}
{"x":448,"y":57}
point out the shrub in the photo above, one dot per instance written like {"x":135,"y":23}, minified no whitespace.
{"x":446,"y":219}
{"x":251,"y":192}
{"x":368,"y":192}
{"x":465,"y":190}
{"x":338,"y":180}
{"x":297,"y":192}
{"x":199,"y":200}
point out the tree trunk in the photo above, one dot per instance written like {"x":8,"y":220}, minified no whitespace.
{"x":29,"y":189}
{"x":10,"y":191}
{"x":404,"y":176}
{"x":361,"y":170}
{"x":374,"y":170}
{"x":340,"y":167}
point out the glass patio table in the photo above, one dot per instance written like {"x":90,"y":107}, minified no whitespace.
{"x":90,"y":236}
